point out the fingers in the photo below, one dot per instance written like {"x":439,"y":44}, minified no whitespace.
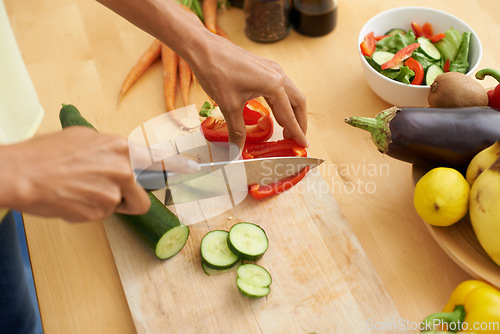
{"x":236,"y":125}
{"x":135,"y":200}
{"x":292,"y":120}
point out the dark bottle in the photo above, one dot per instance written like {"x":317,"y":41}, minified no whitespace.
{"x":314,"y":17}
{"x":267,"y":20}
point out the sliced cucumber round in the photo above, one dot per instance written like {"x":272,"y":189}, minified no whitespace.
{"x":212,"y":271}
{"x":432,"y":73}
{"x":248,"y":241}
{"x":428,"y":48}
{"x":381,"y":57}
{"x":215,"y":252}
{"x":253,"y":280}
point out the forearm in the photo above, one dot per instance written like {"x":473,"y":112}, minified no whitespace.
{"x":166,"y":20}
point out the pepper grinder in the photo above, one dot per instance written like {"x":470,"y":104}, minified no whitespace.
{"x":314,"y":17}
{"x":267,"y":20}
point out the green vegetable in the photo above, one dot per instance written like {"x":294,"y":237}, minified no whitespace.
{"x":215,"y":252}
{"x":461,"y":63}
{"x":253,"y":280}
{"x":159,"y":227}
{"x":396,"y":42}
{"x":248,"y":241}
{"x":206,"y":109}
{"x":448,"y":45}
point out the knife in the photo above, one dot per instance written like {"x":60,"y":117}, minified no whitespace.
{"x":262,"y":171}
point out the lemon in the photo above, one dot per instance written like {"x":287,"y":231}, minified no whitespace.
{"x":441,"y":196}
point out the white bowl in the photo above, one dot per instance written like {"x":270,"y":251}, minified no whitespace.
{"x":397,"y":93}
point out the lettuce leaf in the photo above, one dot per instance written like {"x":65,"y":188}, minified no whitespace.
{"x":461,"y":63}
{"x":396,"y":42}
{"x":448,"y":45}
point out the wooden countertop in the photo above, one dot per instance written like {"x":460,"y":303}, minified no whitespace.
{"x":79,"y":52}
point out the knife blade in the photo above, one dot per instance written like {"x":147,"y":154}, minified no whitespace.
{"x":260,"y":171}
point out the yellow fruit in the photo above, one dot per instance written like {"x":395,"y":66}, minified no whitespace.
{"x":485,"y":210}
{"x":482,"y":161}
{"x":441,"y":196}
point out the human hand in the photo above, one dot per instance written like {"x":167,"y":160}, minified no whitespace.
{"x":231,"y":76}
{"x":76,"y":174}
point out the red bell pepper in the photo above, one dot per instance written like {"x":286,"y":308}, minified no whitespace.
{"x":280,"y":148}
{"x":401,"y":55}
{"x":258,"y":121}
{"x":446,"y":66}
{"x":416,"y":67}
{"x":368,"y":44}
{"x":260,"y":192}
{"x":494,"y":94}
{"x":426,"y":31}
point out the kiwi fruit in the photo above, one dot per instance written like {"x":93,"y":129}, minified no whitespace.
{"x":456,"y":90}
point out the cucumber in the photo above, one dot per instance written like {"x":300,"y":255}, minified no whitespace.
{"x":70,"y":116}
{"x":432,"y":73}
{"x":159,"y":227}
{"x":212,"y":271}
{"x":395,"y":31}
{"x":428,"y":48}
{"x":253,"y":280}
{"x":248,"y":241}
{"x":381,"y":57}
{"x":215,"y":252}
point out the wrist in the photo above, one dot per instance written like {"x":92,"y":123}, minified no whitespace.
{"x":13,"y":185}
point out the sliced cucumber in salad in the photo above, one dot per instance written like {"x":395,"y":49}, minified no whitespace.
{"x":253,"y":280}
{"x":429,"y":48}
{"x":395,"y":31}
{"x":381,"y":57}
{"x":432,"y":73}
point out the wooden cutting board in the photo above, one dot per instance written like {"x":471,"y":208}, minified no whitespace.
{"x":323,"y":282}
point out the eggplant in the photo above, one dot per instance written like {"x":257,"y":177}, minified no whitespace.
{"x":448,"y":137}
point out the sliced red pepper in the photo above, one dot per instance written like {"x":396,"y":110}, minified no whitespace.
{"x":401,"y":55}
{"x":416,"y":67}
{"x":260,"y":192}
{"x":446,"y":66}
{"x":428,"y":30}
{"x":259,"y":125}
{"x":436,"y":38}
{"x":280,"y":148}
{"x":417,"y":29}
{"x":368,"y":44}
{"x":381,"y":37}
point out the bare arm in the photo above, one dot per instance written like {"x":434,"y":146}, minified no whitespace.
{"x":76,"y":174}
{"x":229,"y":74}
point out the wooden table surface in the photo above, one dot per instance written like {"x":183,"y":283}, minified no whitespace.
{"x":78,"y":52}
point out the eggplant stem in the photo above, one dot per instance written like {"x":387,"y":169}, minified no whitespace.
{"x":378,"y":127}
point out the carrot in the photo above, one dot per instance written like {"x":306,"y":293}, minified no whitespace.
{"x":210,"y":14}
{"x":221,"y":32}
{"x":170,"y":61}
{"x":142,"y":64}
{"x":185,"y":74}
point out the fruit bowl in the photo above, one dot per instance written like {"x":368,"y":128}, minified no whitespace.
{"x":397,"y":93}
{"x":461,"y":245}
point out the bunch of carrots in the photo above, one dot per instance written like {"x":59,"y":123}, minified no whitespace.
{"x":174,"y":67}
